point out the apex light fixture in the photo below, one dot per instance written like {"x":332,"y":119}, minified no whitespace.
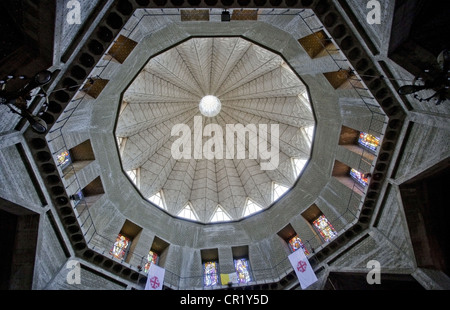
{"x":210,"y":106}
{"x":17,"y":100}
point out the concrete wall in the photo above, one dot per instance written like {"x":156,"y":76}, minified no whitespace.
{"x":424,"y":143}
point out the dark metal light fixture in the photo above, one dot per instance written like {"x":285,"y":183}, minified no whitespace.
{"x":16,"y":100}
{"x":225,"y":17}
{"x":438,"y":80}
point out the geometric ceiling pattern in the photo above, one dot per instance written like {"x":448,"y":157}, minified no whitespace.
{"x":257,"y":90}
{"x":135,"y":120}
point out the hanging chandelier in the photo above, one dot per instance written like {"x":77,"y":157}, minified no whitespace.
{"x":17,"y":100}
{"x":437,"y":80}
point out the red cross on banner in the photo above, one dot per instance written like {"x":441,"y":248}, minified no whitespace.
{"x":154,"y":282}
{"x":303,"y":270}
{"x":155,"y":278}
{"x":301,"y":266}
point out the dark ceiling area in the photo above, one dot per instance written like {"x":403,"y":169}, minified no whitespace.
{"x":427,"y":213}
{"x":415,"y":43}
{"x":11,"y":37}
{"x":431,"y":16}
{"x":27,"y":36}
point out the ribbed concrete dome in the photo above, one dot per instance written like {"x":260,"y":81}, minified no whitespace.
{"x":255,"y":88}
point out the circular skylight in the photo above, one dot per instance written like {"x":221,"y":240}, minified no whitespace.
{"x":210,"y":106}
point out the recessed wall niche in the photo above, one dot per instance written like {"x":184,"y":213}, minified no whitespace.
{"x":126,"y":241}
{"x":75,"y":159}
{"x":359,"y":142}
{"x":319,"y":223}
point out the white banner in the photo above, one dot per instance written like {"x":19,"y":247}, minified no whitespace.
{"x":155,"y":278}
{"x":303,"y":269}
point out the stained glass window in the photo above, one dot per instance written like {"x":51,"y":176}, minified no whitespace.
{"x":242,"y":266}
{"x":359,"y":177}
{"x":278,"y":191}
{"x":251,"y":207}
{"x":120,"y":246}
{"x":152,"y":258}
{"x":324,"y":227}
{"x":77,"y":197}
{"x":296,"y":243}
{"x":368,"y":141}
{"x":210,"y":273}
{"x":220,"y":215}
{"x":64,"y":159}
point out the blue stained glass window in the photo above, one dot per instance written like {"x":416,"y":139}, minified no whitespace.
{"x":359,"y":177}
{"x":210,"y":273}
{"x":77,"y":197}
{"x":242,"y":266}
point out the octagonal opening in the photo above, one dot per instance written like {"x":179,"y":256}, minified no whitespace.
{"x":199,"y":154}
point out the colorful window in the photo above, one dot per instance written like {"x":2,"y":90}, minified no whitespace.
{"x":296,"y":243}
{"x":359,"y":177}
{"x":210,"y":273}
{"x":368,"y":141}
{"x":242,"y":266}
{"x":152,"y":258}
{"x":324,"y":227}
{"x":64,"y":159}
{"x":77,"y":197}
{"x":120,"y":247}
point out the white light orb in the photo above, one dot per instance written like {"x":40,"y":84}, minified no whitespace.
{"x":210,"y":106}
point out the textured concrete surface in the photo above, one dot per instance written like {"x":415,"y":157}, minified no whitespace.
{"x":424,"y":142}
